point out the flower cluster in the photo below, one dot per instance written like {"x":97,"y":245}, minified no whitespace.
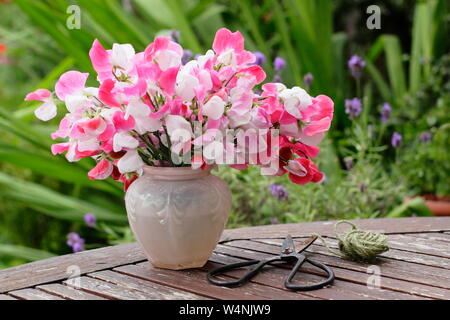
{"x":144,"y":110}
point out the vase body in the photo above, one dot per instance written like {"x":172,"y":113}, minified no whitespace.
{"x":178,"y":215}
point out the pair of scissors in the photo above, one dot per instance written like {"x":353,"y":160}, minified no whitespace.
{"x":288,"y":255}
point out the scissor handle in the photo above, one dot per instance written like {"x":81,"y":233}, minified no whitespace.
{"x":246,"y":277}
{"x":300,"y":260}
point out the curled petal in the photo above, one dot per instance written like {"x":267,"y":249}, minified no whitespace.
{"x":38,"y":95}
{"x":100,"y":59}
{"x":101,"y":171}
{"x":59,"y":148}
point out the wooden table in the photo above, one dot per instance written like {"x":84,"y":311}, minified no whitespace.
{"x":416,"y":267}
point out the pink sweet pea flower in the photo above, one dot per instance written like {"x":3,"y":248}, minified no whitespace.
{"x":164,"y":52}
{"x":59,"y":148}
{"x":93,"y":127}
{"x":122,"y":121}
{"x":121,"y":56}
{"x":101,"y":171}
{"x":318,"y":116}
{"x":70,"y":83}
{"x":229,"y":46}
{"x":100,"y":61}
{"x":302,"y":171}
{"x":47,"y":110}
{"x":63,"y":130}
{"x":105,"y":93}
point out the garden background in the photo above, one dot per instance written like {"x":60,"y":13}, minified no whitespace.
{"x":389,"y":143}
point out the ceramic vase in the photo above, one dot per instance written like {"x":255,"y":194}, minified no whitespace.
{"x":177,"y":215}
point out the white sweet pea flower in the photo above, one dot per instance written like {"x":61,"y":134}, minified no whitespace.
{"x":178,"y":128}
{"x":124,"y":140}
{"x":140,"y":112}
{"x":122,"y":56}
{"x":130,"y":162}
{"x":227,"y":58}
{"x":168,"y":59}
{"x":46,"y":111}
{"x":185,"y":87}
{"x":295,"y":100}
{"x":214,"y":108}
{"x":90,"y":144}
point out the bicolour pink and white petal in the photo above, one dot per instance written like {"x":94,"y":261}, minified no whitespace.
{"x":70,"y":83}
{"x":38,"y":95}
{"x":101,"y":171}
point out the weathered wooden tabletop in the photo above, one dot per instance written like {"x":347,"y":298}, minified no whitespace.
{"x":416,"y":267}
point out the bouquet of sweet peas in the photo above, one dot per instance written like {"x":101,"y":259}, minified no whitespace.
{"x":152,"y":109}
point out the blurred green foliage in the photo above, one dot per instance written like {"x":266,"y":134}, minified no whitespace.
{"x":42,"y":197}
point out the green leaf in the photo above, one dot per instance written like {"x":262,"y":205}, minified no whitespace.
{"x":25,"y":253}
{"x":52,"y":201}
{"x":416,"y":206}
{"x":394,"y":60}
{"x":52,"y":166}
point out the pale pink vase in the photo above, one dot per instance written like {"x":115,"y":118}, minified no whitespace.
{"x":178,"y":215}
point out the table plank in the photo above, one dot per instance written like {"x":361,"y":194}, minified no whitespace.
{"x":55,"y":269}
{"x":410,"y":272}
{"x":159,"y":291}
{"x":33,"y":294}
{"x":431,"y":232}
{"x":112,"y":291}
{"x":347,"y":274}
{"x":325,"y":228}
{"x":435,"y":236}
{"x":6,"y":297}
{"x":416,"y":244}
{"x":67,"y":292}
{"x":337,"y":291}
{"x":195,"y":281}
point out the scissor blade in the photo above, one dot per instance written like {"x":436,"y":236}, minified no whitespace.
{"x":306,"y":243}
{"x":288,"y":245}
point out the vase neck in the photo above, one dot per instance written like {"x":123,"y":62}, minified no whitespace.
{"x":176,"y":173}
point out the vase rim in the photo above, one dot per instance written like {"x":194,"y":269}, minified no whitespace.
{"x":176,"y":173}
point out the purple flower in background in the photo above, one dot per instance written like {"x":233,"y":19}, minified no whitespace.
{"x":260,"y":58}
{"x":356,"y":64}
{"x":274,"y":220}
{"x":396,"y":139}
{"x":175,"y":36}
{"x":279,"y":191}
{"x":362,"y":187}
{"x":308,"y":79}
{"x":90,"y":220}
{"x":426,"y":137}
{"x":385,"y":112}
{"x":187,"y":55}
{"x":353,"y":107}
{"x":348,"y":164}
{"x":75,"y":241}
{"x":277,"y":79}
{"x":279,"y":64}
